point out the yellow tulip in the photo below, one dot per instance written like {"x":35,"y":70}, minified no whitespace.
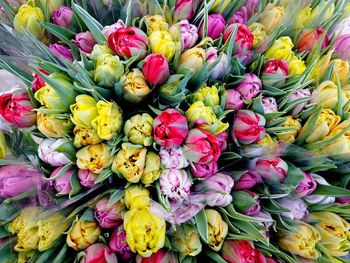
{"x":135,"y":87}
{"x":83,"y":234}
{"x":139,"y":128}
{"x":83,"y":111}
{"x":136,"y":197}
{"x":217,"y":229}
{"x":321,"y":67}
{"x":272,"y":17}
{"x":280,"y":49}
{"x":259,"y":33}
{"x":208,"y":95}
{"x":156,"y":23}
{"x":191,"y":61}
{"x":152,"y":168}
{"x":290,"y":135}
{"x":25,"y":257}
{"x":162,"y":43}
{"x":108,"y":70}
{"x":302,"y":17}
{"x":28,"y":17}
{"x":296,"y":66}
{"x":99,"y":51}
{"x":52,"y":126}
{"x":187,"y":241}
{"x":84,"y":137}
{"x":339,"y":150}
{"x":326,"y":94}
{"x":341,"y":69}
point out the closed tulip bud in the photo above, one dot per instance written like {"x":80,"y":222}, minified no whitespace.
{"x":135,"y":86}
{"x":297,"y":208}
{"x":217,"y":229}
{"x":162,"y":43}
{"x":49,"y":152}
{"x":222,"y":138}
{"x":289,"y":136}
{"x":107,"y":30}
{"x":246,"y":202}
{"x":339,"y":149}
{"x":274,"y":72}
{"x":234,"y":251}
{"x":129,"y":42}
{"x":87,"y":178}
{"x":83,"y":111}
{"x":308,"y":39}
{"x":109,"y":119}
{"x":191,"y":61}
{"x":216,"y":26}
{"x":243,"y":40}
{"x":187,"y":241}
{"x":162,"y":255}
{"x":38,"y":82}
{"x":221,"y":68}
{"x":94,"y":158}
{"x":130,"y":162}
{"x":186,"y":32}
{"x":306,"y":186}
{"x":173,"y":158}
{"x":175,"y":184}
{"x":17,"y":109}
{"x":136,"y":222}
{"x":85,"y":136}
{"x":171,"y":93}
{"x":152,"y":168}
{"x":108,"y":70}
{"x":98,"y":253}
{"x":109,"y":216}
{"x":259,"y":33}
{"x":302,"y":93}
{"x":85,"y":41}
{"x":83,"y":234}
{"x":340,"y":70}
{"x":208,"y":95}
{"x":155,"y":23}
{"x":240,"y":16}
{"x":326,"y":94}
{"x":272,"y":17}
{"x":185,"y":9}
{"x":62,"y":184}
{"x":136,"y":197}
{"x":62,"y":51}
{"x":28,"y":18}
{"x":62,"y":16}
{"x":53,"y":127}
{"x":321,"y":67}
{"x":206,"y":170}
{"x":280,"y":49}
{"x":342,"y":46}
{"x":118,"y":244}
{"x":271,"y":169}
{"x":269,"y":105}
{"x":156,"y":69}
{"x":248,"y":127}
{"x":250,"y":87}
{"x":234,"y":100}
{"x":248,"y":180}
{"x":138,"y":129}
{"x":302,"y":17}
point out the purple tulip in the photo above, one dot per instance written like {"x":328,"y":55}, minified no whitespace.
{"x":248,"y":180}
{"x":252,"y":6}
{"x":319,"y":199}
{"x":62,"y":51}
{"x":266,"y":224}
{"x":204,"y":170}
{"x":246,"y":202}
{"x":250,"y":87}
{"x":87,"y":178}
{"x":17,"y":179}
{"x":118,"y":244}
{"x":48,"y":153}
{"x":62,"y":184}
{"x":269,"y":105}
{"x":342,"y":46}
{"x":222,"y":138}
{"x":302,"y":93}
{"x":188,"y":33}
{"x":109,"y":216}
{"x":62,"y":16}
{"x":221,"y":68}
{"x":342,"y":200}
{"x":297,"y":208}
{"x":240,"y":17}
{"x":173,"y":158}
{"x":85,"y":41}
{"x":306,"y":186}
{"x":175,"y":184}
{"x":216,"y":26}
{"x":234,"y":100}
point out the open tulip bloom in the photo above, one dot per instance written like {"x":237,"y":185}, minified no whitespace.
{"x":175,"y":131}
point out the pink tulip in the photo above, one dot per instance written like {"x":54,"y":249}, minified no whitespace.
{"x":271,"y":169}
{"x":269,"y":105}
{"x":188,"y":34}
{"x":248,"y":180}
{"x":109,"y":216}
{"x":17,"y":109}
{"x":216,"y":26}
{"x":204,"y":170}
{"x":185,"y":9}
{"x":239,"y":251}
{"x":107,"y":30}
{"x":62,"y":183}
{"x":175,"y":184}
{"x":85,"y":41}
{"x":173,"y":158}
{"x":250,"y":87}
{"x":244,"y":38}
{"x":62,"y":50}
{"x":240,"y":17}
{"x":308,"y":39}
{"x":246,"y":202}
{"x":297,"y":208}
{"x":248,"y":127}
{"x":222,"y":138}
{"x":221,"y":68}
{"x":119,"y":245}
{"x":156,"y":69}
{"x":38,"y":82}
{"x":62,"y":16}
{"x":47,"y":152}
{"x":87,"y":178}
{"x":306,"y":186}
{"x":98,"y":253}
{"x":161,"y":256}
{"x":274,"y":72}
{"x":342,"y":46}
{"x":302,"y":93}
{"x":234,"y":100}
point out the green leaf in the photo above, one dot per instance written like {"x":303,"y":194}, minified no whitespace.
{"x":115,"y":197}
{"x":8,"y":10}
{"x":88,"y":215}
{"x":215,"y":256}
{"x":202,"y":225}
{"x":62,"y":33}
{"x":330,"y":190}
{"x":75,"y":184}
{"x":63,"y":170}
{"x":308,"y":127}
{"x":6,"y":252}
{"x":252,"y":230}
{"x":3,"y":232}
{"x":61,"y":257}
{"x":8,"y":211}
{"x":104,"y":175}
{"x":44,"y":257}
{"x":26,"y":77}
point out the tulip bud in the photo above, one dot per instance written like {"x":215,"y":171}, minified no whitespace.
{"x":269,"y":105}
{"x":234,"y":100}
{"x":222,"y":67}
{"x":155,"y":23}
{"x":308,"y":39}
{"x":85,"y":41}
{"x":274,"y":72}
{"x":302,"y":93}
{"x":156,"y":69}
{"x":94,"y":158}
{"x":28,"y":17}
{"x":62,"y":16}
{"x":250,"y":87}
{"x":53,"y":127}
{"x":136,"y":197}
{"x":206,"y":170}
{"x":107,"y":30}
{"x":326,"y":95}
{"x":138,"y":129}
{"x":162,"y":43}
{"x":290,"y":135}
{"x":119,"y":245}
{"x":130,"y":162}
{"x":342,"y":46}
{"x":297,"y":208}
{"x":109,"y":216}
{"x":191,"y":61}
{"x":306,"y":186}
{"x":271,"y":169}
{"x":173,"y":158}
{"x":272,"y":17}
{"x":340,"y":71}
{"x":175,"y":184}
{"x":259,"y":33}
{"x":208,"y":95}
{"x":246,"y":202}
{"x":185,"y":9}
{"x":100,"y":51}
{"x":222,"y":138}
{"x":128,"y":42}
{"x":82,"y":235}
{"x":62,"y":51}
{"x":38,"y":82}
{"x":217,"y":229}
{"x":17,"y":109}
{"x":135,"y":86}
{"x":187,"y":33}
{"x":216,"y":26}
{"x":187,"y":241}
{"x":98,"y":253}
{"x":243,"y":40}
{"x":87,"y":178}
{"x":108,"y":70}
{"x":240,"y":250}
{"x":50,"y":151}
{"x":85,"y":136}
{"x":62,"y":184}
{"x":152,"y":168}
{"x":319,"y":199}
{"x":248,"y":180}
{"x":83,"y":111}
{"x":280,"y":49}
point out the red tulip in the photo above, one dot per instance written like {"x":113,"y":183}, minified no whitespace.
{"x":17,"y":109}
{"x":98,"y":253}
{"x":244,"y":38}
{"x":128,"y":42}
{"x":156,"y":69}
{"x":241,"y":251}
{"x":308,"y":39}
{"x":38,"y":82}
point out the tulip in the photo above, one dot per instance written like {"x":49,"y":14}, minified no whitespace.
{"x":222,"y":138}
{"x":25,"y":256}
{"x":85,"y":41}
{"x":187,"y":241}
{"x":173,"y":158}
{"x":136,"y":197}
{"x":208,"y":95}
{"x":191,"y":61}
{"x":108,"y":121}
{"x":271,"y":169}
{"x":135,"y":86}
{"x":145,"y":232}
{"x":319,"y":199}
{"x":280,"y":49}
{"x":130,"y":162}
{"x":221,"y":68}
{"x":187,"y":32}
{"x":274,"y":72}
{"x":185,"y":9}
{"x":216,"y":26}
{"x":62,"y":16}
{"x":152,"y":168}
{"x":243,"y":40}
{"x":206,"y":170}
{"x":171,"y":93}
{"x":217,"y":229}
{"x":108,"y":70}
{"x":302,"y":93}
{"x":339,"y":149}
{"x":297,"y":208}
{"x":53,"y":127}
{"x":175,"y":184}
{"x":98,"y":253}
{"x":51,"y":4}
{"x":234,"y":251}
{"x":17,"y":179}
{"x":156,"y":69}
{"x":118,"y":244}
{"x":334,"y":231}
{"x":246,"y":202}
{"x":342,"y":28}
{"x":138,"y":129}
{"x":38,"y":82}
{"x":162,"y":255}
{"x":87,"y":178}
{"x":272,"y":17}
{"x":17,"y":109}
{"x":85,"y":137}
{"x":99,"y":51}
{"x":128,"y":42}
{"x":266,"y":225}
{"x":296,"y":66}
{"x":259,"y":33}
{"x":155,"y":23}
{"x":28,"y":18}
{"x":109,"y":216}
{"x":306,"y":186}
{"x":248,"y":127}
{"x":248,"y":180}
{"x":289,"y":136}
{"x":49,"y":152}
{"x":250,"y":87}
{"x":162,"y":43}
{"x":342,"y":47}
{"x":62,"y":51}
{"x":302,"y":17}
{"x":340,"y":71}
{"x":321,"y":67}
{"x":308,"y":39}
{"x":107,"y":30}
{"x":82,"y":234}
{"x":84,"y":111}
{"x":94,"y":158}
{"x":240,"y":16}
{"x":269,"y":105}
{"x":62,"y":184}
{"x":234,"y":100}
{"x":170,"y":129}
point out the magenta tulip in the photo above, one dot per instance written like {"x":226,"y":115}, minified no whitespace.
{"x":216,"y":26}
{"x":85,"y":41}
{"x":156,"y":69}
{"x":62,"y":16}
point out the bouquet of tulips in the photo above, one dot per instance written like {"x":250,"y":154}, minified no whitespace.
{"x":175,"y":131}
